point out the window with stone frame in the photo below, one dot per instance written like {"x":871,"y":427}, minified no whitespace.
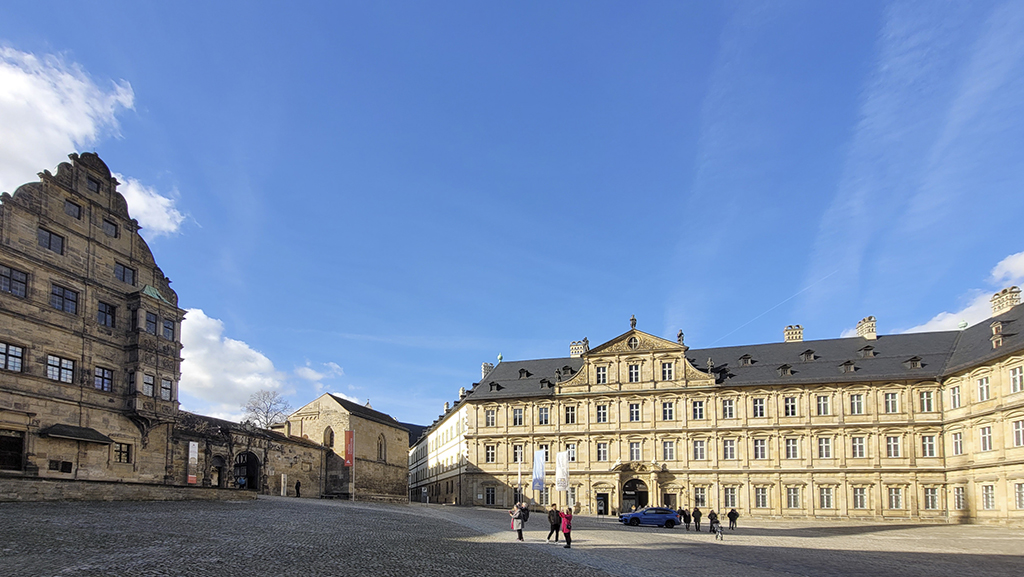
{"x":72,"y":209}
{"x":122,"y":453}
{"x":490,"y":453}
{"x":668,"y":450}
{"x":110,"y":228}
{"x":602,"y":414}
{"x":931,"y":498}
{"x":489,"y":418}
{"x":64,"y":299}
{"x":60,"y":369}
{"x":729,"y":497}
{"x":700,"y":497}
{"x":169,"y":329}
{"x":988,"y":497}
{"x":124,"y":274}
{"x":729,"y":449}
{"x":547,"y":451}
{"x":984,"y":391}
{"x":760,"y":449}
{"x":50,"y":241}
{"x":635,"y":451}
{"x":757,"y":405}
{"x":825,"y":497}
{"x":151,"y":323}
{"x":667,"y":371}
{"x":106,"y":314}
{"x":634,"y":412}
{"x":699,"y":452}
{"x":728,"y":408}
{"x":824,"y":448}
{"x":895,"y":497}
{"x":1017,"y":379}
{"x":634,"y":373}
{"x":927,"y":401}
{"x":698,"y":410}
{"x":857,"y":448}
{"x":11,"y":357}
{"x":857,"y":404}
{"x":823,"y":406}
{"x":602,"y":451}
{"x":517,"y":453}
{"x":958,"y":443}
{"x":761,"y":497}
{"x":1018,"y":433}
{"x":489,"y":496}
{"x":668,"y":411}
{"x":13,"y":281}
{"x":892,"y":447}
{"x":570,"y":415}
{"x":959,"y":498}
{"x":792,"y":448}
{"x":103,"y":379}
{"x":166,"y":389}
{"x":927,"y":445}
{"x":570,"y":450}
{"x":860,"y":498}
{"x":543,"y":415}
{"x":985,"y":438}
{"x":954,"y":397}
{"x":793,"y":498}
{"x":601,"y":375}
{"x":148,"y":385}
{"x":789,"y":407}
{"x":517,"y":417}
{"x":892,"y":402}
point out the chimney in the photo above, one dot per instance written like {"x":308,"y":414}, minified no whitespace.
{"x":794,"y":334}
{"x":576,"y":349}
{"x":1005,"y":300}
{"x":484,"y":369}
{"x":446,"y":407}
{"x":866,"y":328}
{"x":462,"y":392}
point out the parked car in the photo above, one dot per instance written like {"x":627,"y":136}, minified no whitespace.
{"x":651,"y":516}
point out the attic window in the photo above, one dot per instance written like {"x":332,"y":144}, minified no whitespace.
{"x":523,"y":373}
{"x":545,"y":383}
{"x":807,"y":356}
{"x":997,"y":328}
{"x":92,"y":184}
{"x":495,"y":386}
{"x":867,"y":352}
{"x":746,"y":361}
{"x":785,"y":371}
{"x":913,"y":363}
{"x":633,"y":343}
{"x":567,"y":371}
{"x":997,"y":341}
{"x":848,"y":366}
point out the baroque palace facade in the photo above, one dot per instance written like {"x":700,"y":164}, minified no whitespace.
{"x":926,"y":426}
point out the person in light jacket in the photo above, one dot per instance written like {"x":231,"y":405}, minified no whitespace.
{"x":567,"y":526}
{"x":517,"y":521}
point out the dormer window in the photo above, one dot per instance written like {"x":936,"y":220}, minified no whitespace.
{"x":867,"y":352}
{"x":523,"y":373}
{"x":567,"y":371}
{"x":847,"y":367}
{"x":495,"y":386}
{"x":807,"y":356}
{"x":997,"y":328}
{"x":746,"y":361}
{"x":785,"y":371}
{"x":912,"y":363}
{"x":997,"y":341}
{"x":92,"y":184}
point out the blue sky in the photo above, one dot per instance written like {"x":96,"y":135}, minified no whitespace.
{"x":374,"y":198}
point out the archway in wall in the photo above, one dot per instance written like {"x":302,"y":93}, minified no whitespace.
{"x":218,"y":468}
{"x":247,"y":467}
{"x":634,"y":494}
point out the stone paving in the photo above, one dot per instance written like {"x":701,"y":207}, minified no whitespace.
{"x":276,"y":536}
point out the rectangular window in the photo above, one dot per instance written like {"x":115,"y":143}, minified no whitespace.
{"x":165,"y":389}
{"x":517,"y":417}
{"x":63,"y":299}
{"x":602,"y":375}
{"x":92,"y":184}
{"x":760,"y":449}
{"x":103,"y":379}
{"x":11,"y":357}
{"x":71,"y":209}
{"x":954,"y":397}
{"x":148,"y":382}
{"x":761,"y":497}
{"x":959,"y":498}
{"x":792,"y":448}
{"x":857,"y":448}
{"x":895,"y":498}
{"x":892,"y":404}
{"x":983,"y":389}
{"x":860,"y":498}
{"x":547,"y":452}
{"x":602,"y":451}
{"x":602,"y":413}
{"x":699,"y":453}
{"x":570,"y":415}
{"x":489,"y":418}
{"x":729,"y":497}
{"x":634,"y":451}
{"x":700,"y":497}
{"x":634,"y":373}
{"x":958,"y":443}
{"x":667,"y":371}
{"x":857,"y":404}
{"x":517,"y":453}
{"x":792,"y":497}
{"x":109,"y":228}
{"x":668,"y":411}
{"x":1018,"y":433}
{"x":124,"y":274}
{"x":51,"y":241}
{"x":570,"y":448}
{"x":988,"y":497}
{"x":58,"y":369}
{"x":106,"y":314}
{"x":757,"y":408}
{"x":490,"y":453}
{"x":634,"y":412}
{"x":931,"y":498}
{"x":825,"y":497}
{"x":13,"y":281}
{"x":927,"y":404}
{"x":542,"y":415}
{"x":151,"y":322}
{"x":668,"y":450}
{"x":122,"y":453}
{"x":729,"y":449}
{"x":823,"y":408}
{"x":928,"y":446}
{"x":789,"y":403}
{"x":1018,"y":491}
{"x":12,"y":450}
{"x":570,"y":497}
{"x":169,"y":329}
{"x":1016,"y":379}
{"x":489,"y":496}
{"x":985,"y":436}
{"x":892,"y":447}
{"x":545,"y":495}
{"x":728,"y":409}
{"x":824,"y":448}
{"x":698,"y":410}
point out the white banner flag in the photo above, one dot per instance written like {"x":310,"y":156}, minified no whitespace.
{"x":538,"y":470}
{"x":562,"y":471}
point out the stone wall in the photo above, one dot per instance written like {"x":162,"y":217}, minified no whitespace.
{"x":25,"y":489}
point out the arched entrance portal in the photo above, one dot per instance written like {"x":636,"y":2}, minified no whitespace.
{"x":634,"y":494}
{"x":217,"y":469}
{"x":247,"y":471}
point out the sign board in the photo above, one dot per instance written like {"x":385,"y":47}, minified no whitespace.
{"x":538,"y":469}
{"x":562,"y":471}
{"x":284,"y":484}
{"x":349,"y":449}
{"x":193,"y":462}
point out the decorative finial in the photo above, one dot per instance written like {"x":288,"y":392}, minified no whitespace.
{"x":499,"y":357}
{"x":632,"y":322}
{"x":679,"y":336}
{"x":962,"y":325}
{"x":711,"y":365}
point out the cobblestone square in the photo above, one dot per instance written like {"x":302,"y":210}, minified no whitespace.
{"x":276,"y":536}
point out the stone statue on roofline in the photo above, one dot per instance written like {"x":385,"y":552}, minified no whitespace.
{"x":632,"y":322}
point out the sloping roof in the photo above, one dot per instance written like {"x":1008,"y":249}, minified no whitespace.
{"x":203,"y":425}
{"x":414,"y":431}
{"x":532,"y":378}
{"x":76,"y":434}
{"x":367,"y":413}
{"x":975,"y":346}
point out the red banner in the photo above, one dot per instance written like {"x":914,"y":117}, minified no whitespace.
{"x":349,"y":450}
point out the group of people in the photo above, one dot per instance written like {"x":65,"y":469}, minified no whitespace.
{"x":560,"y":521}
{"x":695,"y":516}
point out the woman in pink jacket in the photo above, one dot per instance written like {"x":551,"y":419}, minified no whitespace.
{"x":567,"y":526}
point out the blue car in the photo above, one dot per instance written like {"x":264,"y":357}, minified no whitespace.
{"x":651,"y":516}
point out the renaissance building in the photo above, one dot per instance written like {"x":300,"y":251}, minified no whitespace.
{"x":925,"y":426}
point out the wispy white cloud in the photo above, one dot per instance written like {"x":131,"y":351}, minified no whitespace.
{"x":328,"y":370}
{"x":219,"y":371}
{"x":155,"y":212}
{"x":48,"y":108}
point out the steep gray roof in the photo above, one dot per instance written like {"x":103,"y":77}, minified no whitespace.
{"x":368,"y":413}
{"x":533,"y":378}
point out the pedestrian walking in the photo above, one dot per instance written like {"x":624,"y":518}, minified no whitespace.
{"x":517,"y":521}
{"x":696,"y":519}
{"x":567,"y":526}
{"x":685,"y":514}
{"x":555,"y":521}
{"x":733,"y":515}
{"x":713,"y":520}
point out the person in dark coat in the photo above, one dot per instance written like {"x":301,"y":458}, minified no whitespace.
{"x":696,"y":519}
{"x":685,"y":515}
{"x":555,"y":520}
{"x":733,"y":515}
{"x":712,"y":519}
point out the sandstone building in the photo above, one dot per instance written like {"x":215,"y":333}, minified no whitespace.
{"x":926,"y":426}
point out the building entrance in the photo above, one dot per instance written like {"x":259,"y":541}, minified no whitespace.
{"x":247,"y":471}
{"x":634,"y":494}
{"x":602,"y":503}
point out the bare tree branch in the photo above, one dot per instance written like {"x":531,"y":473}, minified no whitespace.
{"x":265,"y":408}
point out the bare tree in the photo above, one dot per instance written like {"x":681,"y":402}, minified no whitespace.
{"x":265,"y":408}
